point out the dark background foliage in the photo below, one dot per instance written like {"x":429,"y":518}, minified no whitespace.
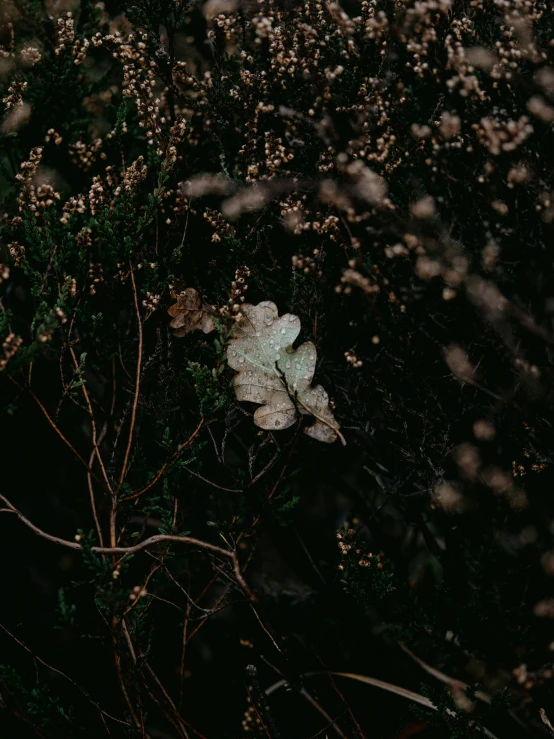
{"x":384,"y":171}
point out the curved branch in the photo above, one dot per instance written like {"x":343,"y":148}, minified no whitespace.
{"x":62,"y":437}
{"x":190,"y":540}
{"x":167,"y":464}
{"x":125,"y":466}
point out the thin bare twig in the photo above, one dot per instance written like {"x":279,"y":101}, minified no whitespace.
{"x":60,"y":434}
{"x":190,"y":600}
{"x":545,"y":720}
{"x":190,"y":540}
{"x":137,"y":385}
{"x":442,"y":677}
{"x":93,"y":501}
{"x":62,"y":674}
{"x":376,"y":683}
{"x":277,"y":647}
{"x":332,"y":723}
{"x":93,"y":427}
{"x":121,"y":678}
{"x":343,"y":700}
{"x":167,"y":464}
{"x":213,"y":484}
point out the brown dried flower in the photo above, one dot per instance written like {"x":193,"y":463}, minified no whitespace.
{"x":190,"y":313}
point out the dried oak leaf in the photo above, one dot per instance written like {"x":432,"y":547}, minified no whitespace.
{"x":276,"y":376}
{"x":189,"y":313}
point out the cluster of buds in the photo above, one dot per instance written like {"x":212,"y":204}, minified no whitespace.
{"x":96,"y":195}
{"x":65,"y":33}
{"x":352,"y":358}
{"x":296,"y":221}
{"x":16,"y":252}
{"x":44,"y":197}
{"x":73,"y":205}
{"x":349,"y":550}
{"x":216,"y":220}
{"x":133,"y":176}
{"x":178,"y":130}
{"x":182,"y":203}
{"x":308,"y":265}
{"x":237,"y":297}
{"x":30,"y":55}
{"x":151,"y":302}
{"x":96,"y":275}
{"x":370,"y":559}
{"x":53,"y":136}
{"x":498,"y":136}
{"x":276,"y":155}
{"x":4,"y":272}
{"x":83,"y":238}
{"x":60,"y":315}
{"x":122,"y":271}
{"x":292,"y":213}
{"x":397,"y":250}
{"x":139,"y":80}
{"x":29,"y":169}
{"x":518,"y":175}
{"x":251,"y":722}
{"x":351,"y":277}
{"x":84,"y":155}
{"x":460,"y":61}
{"x":170,"y":153}
{"x":10,"y":346}
{"x":294,"y":218}
{"x":137,"y":592}
{"x":123,"y":130}
{"x":345,"y":546}
{"x":70,"y":286}
{"x":518,"y":470}
{"x":80,"y":48}
{"x":14,"y":97}
{"x":225,"y":25}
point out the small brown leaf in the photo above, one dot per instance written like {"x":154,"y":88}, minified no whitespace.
{"x":190,"y":313}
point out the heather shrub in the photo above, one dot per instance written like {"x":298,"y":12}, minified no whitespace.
{"x":276,"y":368}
